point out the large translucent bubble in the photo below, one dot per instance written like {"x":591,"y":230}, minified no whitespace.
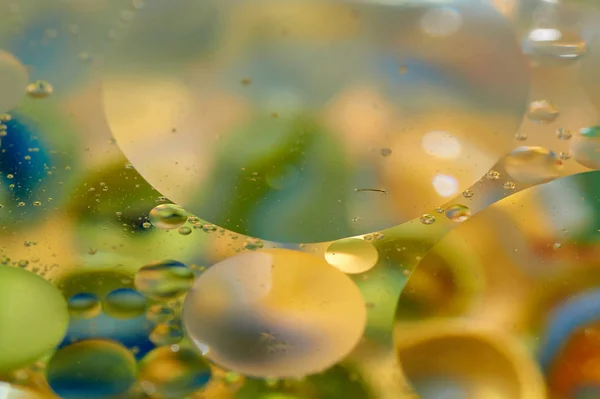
{"x":274,"y":313}
{"x":312,"y":120}
{"x":33,"y":317}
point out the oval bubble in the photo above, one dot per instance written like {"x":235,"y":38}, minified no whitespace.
{"x":533,"y":165}
{"x":352,"y":255}
{"x":268,"y":118}
{"x":124,"y":303}
{"x":93,"y":369}
{"x":273,"y":313}
{"x":173,"y":374}
{"x":33,"y":316}
{"x":164,"y":280}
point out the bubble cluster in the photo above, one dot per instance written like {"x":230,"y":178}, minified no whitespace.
{"x":274,"y":313}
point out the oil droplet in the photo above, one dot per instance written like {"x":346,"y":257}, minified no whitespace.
{"x":185,"y":230}
{"x":427,"y":219}
{"x":542,"y":111}
{"x":385,"y":152}
{"x":533,"y":165}
{"x":585,"y":147}
{"x":124,"y":303}
{"x":352,"y":255}
{"x":174,"y":375}
{"x":167,"y":333}
{"x":253,"y":243}
{"x":493,"y":175}
{"x":13,"y":80}
{"x":164,"y":280}
{"x":468,"y":194}
{"x":209,"y":228}
{"x":458,"y":213}
{"x":39,"y":89}
{"x":168,"y":216}
{"x":553,"y":45}
{"x":240,"y":310}
{"x":160,"y":313}
{"x":565,"y":155}
{"x":521,"y":136}
{"x":563,"y":134}
{"x":509,"y":185}
{"x":33,"y":316}
{"x":94,"y":369}
{"x":84,"y":305}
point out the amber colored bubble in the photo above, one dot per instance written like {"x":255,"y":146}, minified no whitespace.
{"x":173,"y":374}
{"x":352,"y":255}
{"x":274,"y":313}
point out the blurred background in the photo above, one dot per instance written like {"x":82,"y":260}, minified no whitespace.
{"x":436,"y":157}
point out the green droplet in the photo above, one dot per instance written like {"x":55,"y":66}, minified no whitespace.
{"x":33,"y":317}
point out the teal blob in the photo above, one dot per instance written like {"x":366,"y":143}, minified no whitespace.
{"x":92,"y":369}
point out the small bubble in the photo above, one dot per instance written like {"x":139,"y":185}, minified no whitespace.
{"x":20,"y":204}
{"x":5,"y":118}
{"x":10,"y":176}
{"x":39,"y":89}
{"x":352,"y":255}
{"x":468,"y":194}
{"x":542,"y":111}
{"x":167,"y":333}
{"x":124,"y":303}
{"x":427,"y":219}
{"x":168,"y":216}
{"x":159,"y":313}
{"x":551,"y":44}
{"x":164,"y":280}
{"x":37,"y":203}
{"x":509,"y":185}
{"x":557,"y":245}
{"x":439,"y":209}
{"x":564,"y":155}
{"x":458,"y":213}
{"x":386,"y":152}
{"x":146,"y":225}
{"x":521,"y":136}
{"x":84,"y":306}
{"x":185,"y":230}
{"x":253,"y":243}
{"x":493,"y":175}
{"x":563,"y":134}
{"x":209,"y":228}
